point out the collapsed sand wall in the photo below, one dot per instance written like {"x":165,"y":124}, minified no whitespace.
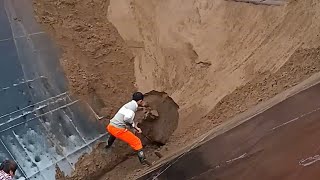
{"x":217,"y":57}
{"x":201,"y":51}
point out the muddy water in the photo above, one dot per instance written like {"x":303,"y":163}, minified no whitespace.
{"x":41,"y":125}
{"x":280,"y":143}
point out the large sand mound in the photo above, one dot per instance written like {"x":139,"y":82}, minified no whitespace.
{"x":202,"y":52}
{"x":214,"y":58}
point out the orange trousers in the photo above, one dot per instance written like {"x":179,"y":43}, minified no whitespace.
{"x":126,"y":136}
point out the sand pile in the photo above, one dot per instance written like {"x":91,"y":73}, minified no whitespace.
{"x":215,"y":59}
{"x":95,"y":58}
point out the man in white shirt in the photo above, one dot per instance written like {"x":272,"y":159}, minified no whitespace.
{"x":117,"y":127}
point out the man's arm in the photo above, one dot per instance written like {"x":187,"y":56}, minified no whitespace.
{"x":128,"y":116}
{"x":128,"y":119}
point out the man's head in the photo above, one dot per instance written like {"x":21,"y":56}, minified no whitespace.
{"x":138,"y":97}
{"x":9,"y":167}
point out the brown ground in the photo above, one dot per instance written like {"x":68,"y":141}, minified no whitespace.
{"x":215,"y":58}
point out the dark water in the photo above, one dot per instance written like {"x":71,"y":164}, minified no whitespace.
{"x":40,"y":124}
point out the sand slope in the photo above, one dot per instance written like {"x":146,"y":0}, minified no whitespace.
{"x":215,"y":58}
{"x":200,"y":51}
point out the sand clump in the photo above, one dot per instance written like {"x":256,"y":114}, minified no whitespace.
{"x":161,"y":120}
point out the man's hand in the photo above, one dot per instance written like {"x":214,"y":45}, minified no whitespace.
{"x":138,"y":130}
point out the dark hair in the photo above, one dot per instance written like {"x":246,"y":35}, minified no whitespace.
{"x":8,"y":165}
{"x":137,"y":96}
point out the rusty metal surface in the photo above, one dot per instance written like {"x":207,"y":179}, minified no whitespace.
{"x":280,"y":143}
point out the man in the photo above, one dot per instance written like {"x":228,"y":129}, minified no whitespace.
{"x":117,"y":127}
{"x":8,"y":169}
